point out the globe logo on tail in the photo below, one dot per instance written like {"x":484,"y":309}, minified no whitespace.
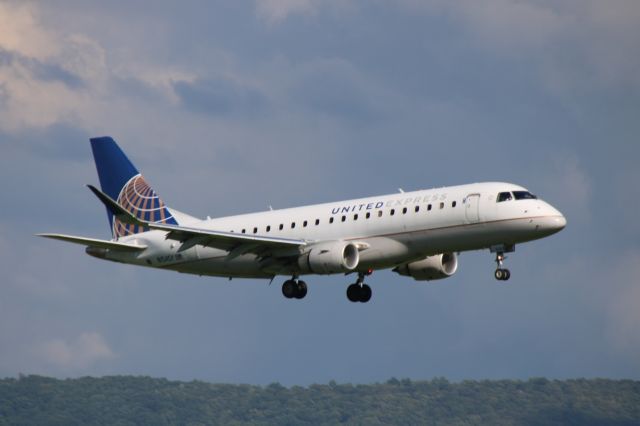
{"x":141,"y":200}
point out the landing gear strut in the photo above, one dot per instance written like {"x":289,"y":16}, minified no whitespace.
{"x":501,"y":274}
{"x":294,"y":288}
{"x":359,"y":291}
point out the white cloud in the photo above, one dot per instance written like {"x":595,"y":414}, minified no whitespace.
{"x":38,"y":65}
{"x":79,"y":354}
{"x":20,"y":31}
{"x":57,"y":75}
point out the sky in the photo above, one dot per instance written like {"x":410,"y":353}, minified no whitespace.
{"x":229,"y":107}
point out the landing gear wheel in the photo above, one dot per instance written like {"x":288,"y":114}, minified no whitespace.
{"x":502,"y":274}
{"x":365,"y":293}
{"x":289,"y":289}
{"x":301,"y":290}
{"x":353,"y":293}
{"x":359,"y":293}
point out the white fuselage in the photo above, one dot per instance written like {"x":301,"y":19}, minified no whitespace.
{"x":389,"y":230}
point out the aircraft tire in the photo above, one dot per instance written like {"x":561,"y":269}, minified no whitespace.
{"x":353,"y":293}
{"x":365,"y":293}
{"x":502,"y":274}
{"x":301,"y":290}
{"x":289,"y":289}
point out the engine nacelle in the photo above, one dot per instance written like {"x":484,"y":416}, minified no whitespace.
{"x":430,"y":268}
{"x":330,"y":258}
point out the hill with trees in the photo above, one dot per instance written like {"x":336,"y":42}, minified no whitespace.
{"x":125,"y":400}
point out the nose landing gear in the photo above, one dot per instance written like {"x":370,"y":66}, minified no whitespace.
{"x":501,"y":274}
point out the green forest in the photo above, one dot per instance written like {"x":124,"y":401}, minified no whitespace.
{"x":126,"y":400}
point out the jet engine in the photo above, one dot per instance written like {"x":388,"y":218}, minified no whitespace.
{"x":330,"y":258}
{"x":430,"y":268}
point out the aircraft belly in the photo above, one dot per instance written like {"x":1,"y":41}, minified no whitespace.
{"x":216,"y":262}
{"x":473,"y":236}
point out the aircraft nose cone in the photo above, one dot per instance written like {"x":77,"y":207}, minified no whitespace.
{"x":551,"y":221}
{"x":559,"y":222}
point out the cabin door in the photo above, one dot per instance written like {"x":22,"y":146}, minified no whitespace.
{"x":472,"y":208}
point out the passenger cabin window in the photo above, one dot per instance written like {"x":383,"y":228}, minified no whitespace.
{"x":281,"y":227}
{"x":255,"y":230}
{"x":331,"y":220}
{"x":368,"y":215}
{"x":344,"y":218}
{"x":304,"y":224}
{"x":453,"y":204}
{"x":379,"y":213}
{"x":317,"y":222}
{"x":441,"y":206}
{"x":268,"y":228}
{"x":404,"y":210}
{"x":417,"y":209}
{"x":524,"y":195}
{"x":429,"y":207}
{"x":504,"y":196}
{"x":392,"y":212}
{"x":244,"y":230}
{"x":293,"y":225}
{"x":355,"y":217}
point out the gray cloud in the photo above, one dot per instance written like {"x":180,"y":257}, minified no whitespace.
{"x":41,"y":70}
{"x":225,"y":114}
{"x":335,"y":88}
{"x":220,"y":97}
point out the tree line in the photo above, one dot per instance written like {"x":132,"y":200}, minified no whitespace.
{"x":127,"y":400}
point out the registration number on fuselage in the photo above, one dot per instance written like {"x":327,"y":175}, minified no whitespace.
{"x":169,"y":258}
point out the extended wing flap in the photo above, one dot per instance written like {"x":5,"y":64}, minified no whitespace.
{"x":93,"y":242}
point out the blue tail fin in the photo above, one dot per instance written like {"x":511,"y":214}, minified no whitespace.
{"x":121,"y":181}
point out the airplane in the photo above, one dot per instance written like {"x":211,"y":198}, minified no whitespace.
{"x":418,"y":234}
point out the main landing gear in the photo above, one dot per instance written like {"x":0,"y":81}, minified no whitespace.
{"x":294,"y":288}
{"x":501,"y":274}
{"x":359,"y":291}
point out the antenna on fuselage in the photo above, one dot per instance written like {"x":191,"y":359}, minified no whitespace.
{"x":401,"y":190}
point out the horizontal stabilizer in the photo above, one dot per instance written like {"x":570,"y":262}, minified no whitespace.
{"x":93,"y":242}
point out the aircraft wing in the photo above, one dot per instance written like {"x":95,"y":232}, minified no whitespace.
{"x":93,"y":242}
{"x":238,"y":244}
{"x":185,"y":233}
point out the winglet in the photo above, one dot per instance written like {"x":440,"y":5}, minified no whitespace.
{"x":116,"y":209}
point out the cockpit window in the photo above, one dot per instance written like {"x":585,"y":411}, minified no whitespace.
{"x":504,"y":196}
{"x":524,"y":195}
